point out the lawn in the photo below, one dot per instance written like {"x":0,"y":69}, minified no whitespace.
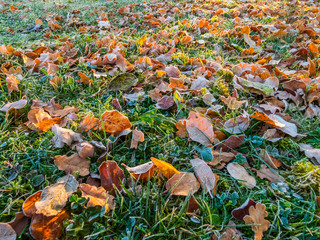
{"x":220,"y":99}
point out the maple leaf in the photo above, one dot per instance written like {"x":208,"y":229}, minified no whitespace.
{"x":256,"y":216}
{"x":55,"y":197}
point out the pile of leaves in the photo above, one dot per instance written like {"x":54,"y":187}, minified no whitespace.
{"x":157,"y":119}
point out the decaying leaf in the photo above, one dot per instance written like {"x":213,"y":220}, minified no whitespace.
{"x":55,"y":197}
{"x":182,"y":184}
{"x":111,"y":176}
{"x":310,"y":152}
{"x":29,"y":207}
{"x":12,"y":83}
{"x":240,"y":173}
{"x":19,"y":223}
{"x":257,"y":216}
{"x":231,"y":143}
{"x":7,"y":232}
{"x":73,"y":163}
{"x":64,"y":136}
{"x":193,"y":205}
{"x":49,"y":228}
{"x":165,"y":168}
{"x":229,"y":233}
{"x":142,"y":172}
{"x":97,"y":196}
{"x":137,"y":136}
{"x":123,"y":82}
{"x":114,"y":121}
{"x":240,"y":212}
{"x":232,"y":102}
{"x":268,"y":159}
{"x":39,"y":120}
{"x":89,"y":123}
{"x":200,"y":129}
{"x":14,"y":105}
{"x":84,"y":149}
{"x":220,"y":159}
{"x":266,"y":173}
{"x":208,"y":180}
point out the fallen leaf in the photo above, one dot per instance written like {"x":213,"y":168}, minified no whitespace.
{"x":165,"y":102}
{"x":73,"y":163}
{"x":12,"y":83}
{"x":165,"y":168}
{"x":207,"y":179}
{"x":229,"y":233}
{"x":39,"y":120}
{"x":142,"y":172}
{"x":240,"y":173}
{"x":7,"y":232}
{"x":312,"y":68}
{"x":240,"y":212}
{"x":114,"y":121}
{"x":88,"y":123}
{"x":84,"y":78}
{"x":232,"y":102}
{"x":220,"y":159}
{"x":84,"y":149}
{"x":55,"y":197}
{"x":310,"y":152}
{"x":256,"y":216}
{"x":267,"y":158}
{"x":29,"y":207}
{"x":200,"y":129}
{"x":237,"y":125}
{"x":97,"y":196}
{"x":182,"y":128}
{"x":266,"y":173}
{"x":64,"y":136}
{"x":111,"y":176}
{"x":183,"y":184}
{"x":231,"y":143}
{"x":14,"y":105}
{"x":137,"y":136}
{"x":19,"y":223}
{"x":49,"y":228}
{"x":123,"y":82}
{"x":193,"y":205}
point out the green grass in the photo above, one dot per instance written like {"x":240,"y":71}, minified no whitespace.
{"x":26,"y":157}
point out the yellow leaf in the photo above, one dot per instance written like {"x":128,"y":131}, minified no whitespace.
{"x":165,"y":168}
{"x":142,"y":39}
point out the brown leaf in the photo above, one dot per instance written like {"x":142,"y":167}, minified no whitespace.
{"x":84,"y":78}
{"x":111,"y":175}
{"x":29,"y":207}
{"x":165,"y":168}
{"x":229,"y":233}
{"x":193,"y":205}
{"x":137,"y":136}
{"x":183,"y":183}
{"x":310,"y":152}
{"x":165,"y":102}
{"x":7,"y":232}
{"x":49,"y":228}
{"x":89,"y":123}
{"x":63,"y":135}
{"x":243,"y":210}
{"x":114,"y":121}
{"x":12,"y":83}
{"x":232,"y":102}
{"x":312,"y":68}
{"x":55,"y":197}
{"x":267,"y":158}
{"x":19,"y":223}
{"x":231,"y":143}
{"x":207,"y":179}
{"x":14,"y":105}
{"x":97,"y":196}
{"x":237,"y":125}
{"x":142,"y":172}
{"x":220,"y":159}
{"x":39,"y":120}
{"x":200,"y":129}
{"x":240,"y":173}
{"x":256,"y":216}
{"x":84,"y":149}
{"x":266,"y":173}
{"x":73,"y":163}
{"x":182,"y":128}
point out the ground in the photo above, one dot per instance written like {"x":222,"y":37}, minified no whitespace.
{"x":224,"y":44}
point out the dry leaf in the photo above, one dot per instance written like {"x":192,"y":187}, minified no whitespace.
{"x":208,"y":180}
{"x":137,"y":136}
{"x":256,"y":216}
{"x":114,"y":121}
{"x":63,"y":135}
{"x":55,"y":197}
{"x":7,"y":232}
{"x":165,"y":168}
{"x":39,"y":120}
{"x":237,"y":125}
{"x":240,"y":212}
{"x":310,"y":152}
{"x":266,"y":173}
{"x":89,"y":123}
{"x":182,"y":128}
{"x":267,"y":158}
{"x":165,"y":102}
{"x":29,"y":207}
{"x":97,"y":196}
{"x":220,"y":159}
{"x":229,"y":233}
{"x":111,"y":176}
{"x":12,"y":83}
{"x":193,"y":205}
{"x":231,"y":143}
{"x":14,"y":105}
{"x":73,"y":163}
{"x":182,"y":184}
{"x":19,"y":223}
{"x":240,"y":173}
{"x":232,"y":102}
{"x":200,"y":129}
{"x":142,"y":172}
{"x":49,"y":228}
{"x":84,"y":149}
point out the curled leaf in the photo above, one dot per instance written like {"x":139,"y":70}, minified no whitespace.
{"x":64,"y":136}
{"x":142,"y":172}
{"x":137,"y":136}
{"x":243,"y":210}
{"x":29,"y":207}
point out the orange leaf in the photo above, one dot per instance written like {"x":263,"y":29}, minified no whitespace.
{"x":43,"y":227}
{"x":245,"y":30}
{"x":88,"y":123}
{"x":165,"y":168}
{"x":84,"y":78}
{"x":12,"y":83}
{"x":114,"y":121}
{"x":182,"y":184}
{"x":28,"y":207}
{"x":312,"y":68}
{"x":313,"y":49}
{"x":137,"y":136}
